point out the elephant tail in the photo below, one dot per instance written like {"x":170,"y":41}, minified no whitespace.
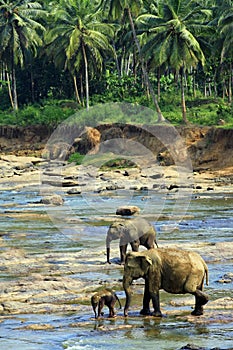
{"x":118,"y":300}
{"x":206,"y":273}
{"x":207,"y":276}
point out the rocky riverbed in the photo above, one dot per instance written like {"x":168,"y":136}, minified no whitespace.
{"x":51,"y":281}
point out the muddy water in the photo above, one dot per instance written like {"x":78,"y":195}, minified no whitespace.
{"x":79,"y":226}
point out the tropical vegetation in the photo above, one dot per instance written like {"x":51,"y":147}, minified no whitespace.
{"x":59,"y":56}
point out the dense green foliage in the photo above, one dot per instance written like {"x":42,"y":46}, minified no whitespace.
{"x":60,"y":56}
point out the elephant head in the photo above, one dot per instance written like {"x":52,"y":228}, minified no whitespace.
{"x":136,"y":266}
{"x":95,"y":299}
{"x":115,"y":231}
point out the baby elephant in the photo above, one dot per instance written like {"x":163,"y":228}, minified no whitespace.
{"x":104,"y":297}
{"x":136,"y":231}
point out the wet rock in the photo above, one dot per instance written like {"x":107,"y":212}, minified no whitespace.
{"x":74,"y":191}
{"x":172,"y":187}
{"x":53,"y":200}
{"x":69,"y":183}
{"x":37,"y":327}
{"x":227,"y":278}
{"x":191,"y":347}
{"x":127,"y":211}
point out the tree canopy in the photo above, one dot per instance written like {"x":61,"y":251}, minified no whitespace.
{"x":116,"y":50}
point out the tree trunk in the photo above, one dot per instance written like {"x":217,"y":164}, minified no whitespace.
{"x":9,"y":89}
{"x":230,"y":81}
{"x":86,"y":77}
{"x":14,"y":89}
{"x":76,"y":90}
{"x":145,"y":75}
{"x":183,"y":104}
{"x":116,"y":60}
{"x":159,"y":82}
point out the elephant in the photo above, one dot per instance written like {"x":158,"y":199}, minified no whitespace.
{"x":104,"y":297}
{"x":174,"y":270}
{"x":136,"y":231}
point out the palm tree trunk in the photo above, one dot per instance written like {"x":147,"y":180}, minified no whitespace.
{"x":9,"y":89}
{"x":14,"y":89}
{"x":86,"y":76}
{"x":230,"y":84}
{"x":159,"y":82}
{"x":183,"y":104}
{"x":116,"y":60}
{"x":76,"y":90}
{"x":145,"y":75}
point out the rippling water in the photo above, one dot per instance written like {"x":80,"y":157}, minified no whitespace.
{"x":208,"y":219}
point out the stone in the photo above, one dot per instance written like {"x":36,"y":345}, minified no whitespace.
{"x":127,"y":211}
{"x":54,"y":200}
{"x":88,"y":142}
{"x":74,"y":191}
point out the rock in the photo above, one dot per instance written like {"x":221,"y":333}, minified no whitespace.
{"x":74,"y":191}
{"x":127,"y":211}
{"x":227,"y":278}
{"x":172,"y":187}
{"x":59,"y":151}
{"x":192,"y":347}
{"x":54,"y":200}
{"x":38,"y":327}
{"x":156,"y":176}
{"x":88,"y":142}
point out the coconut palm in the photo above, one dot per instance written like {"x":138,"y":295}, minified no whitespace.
{"x":172,"y":40}
{"x":116,"y":9}
{"x":78,"y":41}
{"x":19,"y":36}
{"x":225,"y":31}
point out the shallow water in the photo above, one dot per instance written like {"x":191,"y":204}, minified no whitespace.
{"x":80,"y":225}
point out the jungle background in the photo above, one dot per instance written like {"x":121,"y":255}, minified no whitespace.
{"x":57,"y":57}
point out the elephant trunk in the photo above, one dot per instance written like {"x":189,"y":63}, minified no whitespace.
{"x":127,"y":281}
{"x":108,"y":240}
{"x":94,"y":306}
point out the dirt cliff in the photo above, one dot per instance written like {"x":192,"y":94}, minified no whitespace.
{"x":209,"y":148}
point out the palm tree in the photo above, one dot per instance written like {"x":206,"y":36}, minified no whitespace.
{"x":116,"y":9}
{"x":78,"y":40}
{"x":19,"y":36}
{"x":172,"y":40}
{"x":225,"y":31}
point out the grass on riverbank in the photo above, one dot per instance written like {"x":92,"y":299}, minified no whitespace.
{"x":200,"y":111}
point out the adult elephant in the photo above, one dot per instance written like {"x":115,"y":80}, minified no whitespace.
{"x":175,"y":271}
{"x":136,"y":231}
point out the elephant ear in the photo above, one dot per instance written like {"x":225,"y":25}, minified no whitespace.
{"x":136,"y":261}
{"x":146,"y":261}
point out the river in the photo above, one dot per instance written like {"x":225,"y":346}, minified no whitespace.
{"x":207,"y":225}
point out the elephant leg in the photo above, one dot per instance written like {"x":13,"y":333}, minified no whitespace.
{"x":135,"y":245}
{"x":111,"y":312}
{"x":156,"y":304}
{"x":123,"y":249}
{"x":200,"y":300}
{"x":100,"y":307}
{"x":146,"y":300}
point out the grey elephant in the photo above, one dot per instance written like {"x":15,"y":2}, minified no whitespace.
{"x":175,"y":271}
{"x":136,"y":231}
{"x":104,"y":297}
